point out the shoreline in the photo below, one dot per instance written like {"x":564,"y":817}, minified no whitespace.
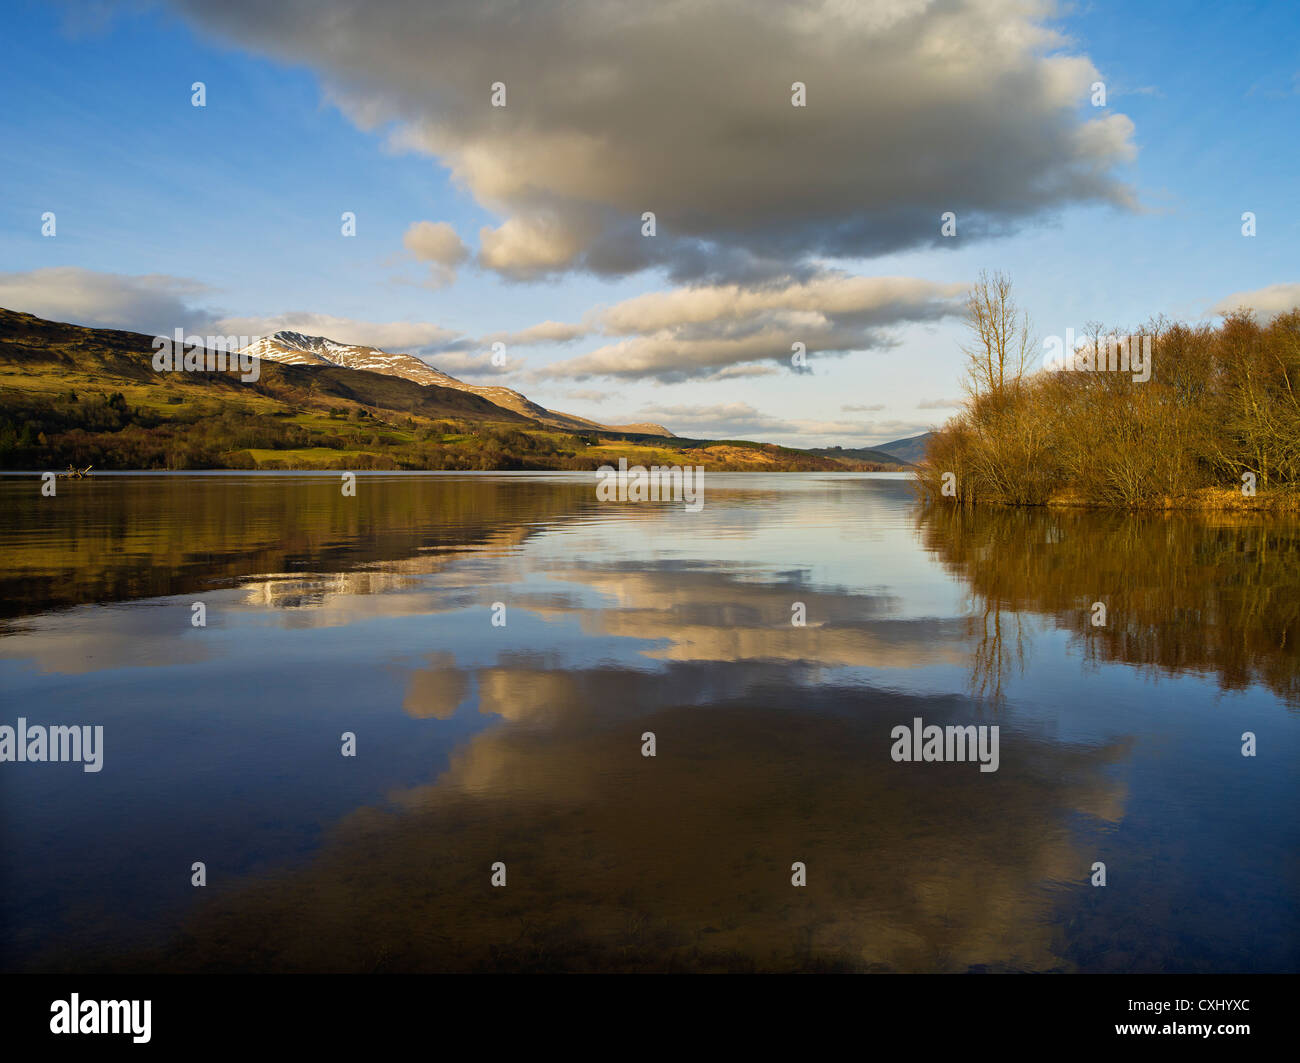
{"x":1204,"y":500}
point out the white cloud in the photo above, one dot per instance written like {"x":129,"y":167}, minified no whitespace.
{"x":544,"y":332}
{"x":740,"y":420}
{"x":408,"y":337}
{"x":722,"y":331}
{"x":460,"y":363}
{"x":1267,"y":302}
{"x":438,"y":244}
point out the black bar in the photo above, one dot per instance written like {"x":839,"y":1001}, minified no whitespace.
{"x":632,"y":1014}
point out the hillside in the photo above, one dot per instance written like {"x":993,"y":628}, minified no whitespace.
{"x":294,"y":348}
{"x":868,"y":454}
{"x":47,"y":357}
{"x":84,"y":396}
{"x":910,"y":450}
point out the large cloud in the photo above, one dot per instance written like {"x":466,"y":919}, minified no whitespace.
{"x":683,"y":108}
{"x":721,"y":331}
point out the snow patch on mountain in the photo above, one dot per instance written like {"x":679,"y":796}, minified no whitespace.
{"x":295,"y":348}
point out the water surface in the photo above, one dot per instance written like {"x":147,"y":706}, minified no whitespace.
{"x":522,"y":743}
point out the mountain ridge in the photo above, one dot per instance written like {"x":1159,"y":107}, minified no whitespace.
{"x":910,"y":450}
{"x":297,"y":348}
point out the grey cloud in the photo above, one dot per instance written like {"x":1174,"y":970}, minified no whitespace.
{"x":157,"y":304}
{"x":683,"y":108}
{"x":151,"y":303}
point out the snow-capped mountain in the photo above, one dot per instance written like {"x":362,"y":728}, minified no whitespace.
{"x":297,"y":349}
{"x":294,"y":348}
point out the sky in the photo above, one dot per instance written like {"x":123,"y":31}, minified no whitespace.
{"x":774,"y":224}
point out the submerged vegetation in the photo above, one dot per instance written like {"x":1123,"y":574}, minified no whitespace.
{"x":1216,"y":425}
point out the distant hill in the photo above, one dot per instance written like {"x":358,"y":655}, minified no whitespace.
{"x":869,"y":454}
{"x":910,"y":450}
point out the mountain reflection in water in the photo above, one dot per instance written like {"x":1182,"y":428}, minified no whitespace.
{"x":522,"y":743}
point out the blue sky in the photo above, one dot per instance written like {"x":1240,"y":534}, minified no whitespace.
{"x":239,"y":202}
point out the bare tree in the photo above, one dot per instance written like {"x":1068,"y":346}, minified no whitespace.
{"x":1001,"y":345}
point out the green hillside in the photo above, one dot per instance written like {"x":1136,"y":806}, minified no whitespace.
{"x":71,"y":395}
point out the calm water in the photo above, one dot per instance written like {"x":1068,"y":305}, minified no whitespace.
{"x":522,"y":743}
